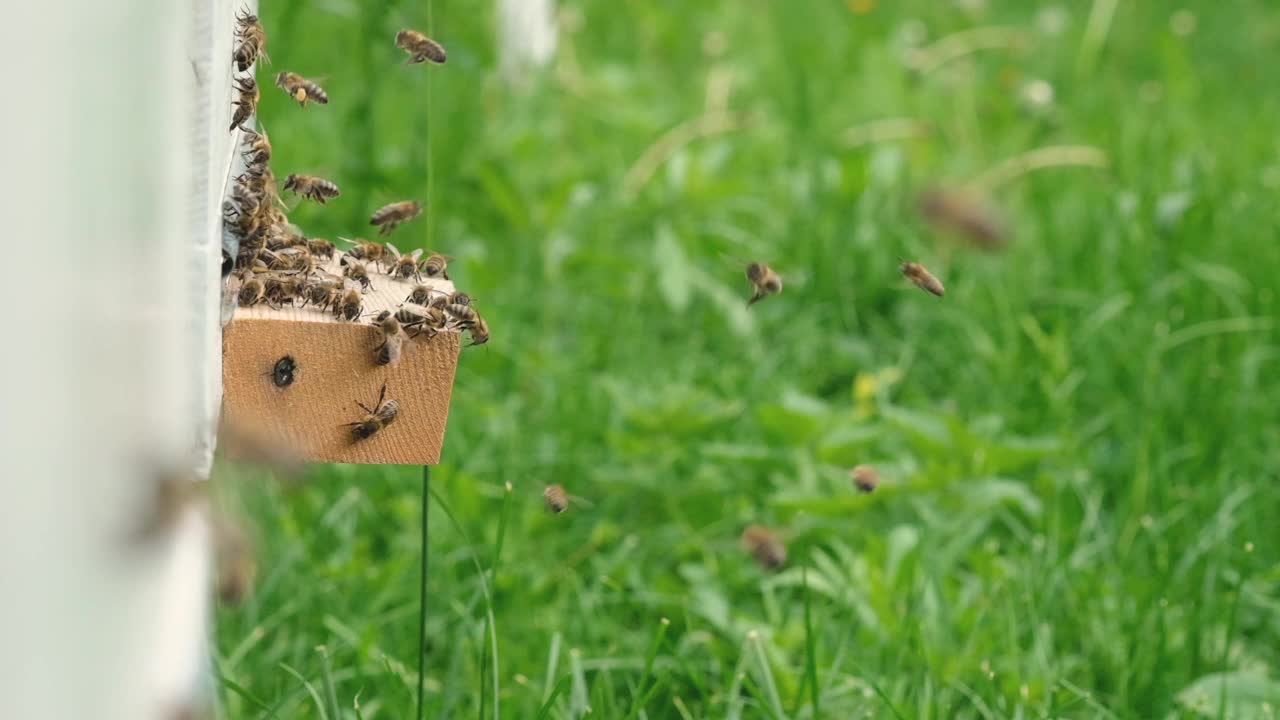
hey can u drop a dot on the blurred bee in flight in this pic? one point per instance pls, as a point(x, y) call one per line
point(311, 187)
point(301, 89)
point(966, 216)
point(764, 546)
point(556, 498)
point(865, 478)
point(764, 280)
point(923, 279)
point(420, 47)
point(389, 217)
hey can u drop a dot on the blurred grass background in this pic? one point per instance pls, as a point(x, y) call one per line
point(1079, 444)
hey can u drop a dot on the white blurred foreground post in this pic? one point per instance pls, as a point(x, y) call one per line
point(114, 143)
point(526, 34)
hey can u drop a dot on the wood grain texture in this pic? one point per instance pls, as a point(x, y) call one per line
point(335, 370)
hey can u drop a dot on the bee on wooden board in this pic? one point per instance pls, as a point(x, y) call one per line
point(479, 332)
point(556, 498)
point(389, 217)
point(865, 478)
point(764, 546)
point(321, 248)
point(366, 251)
point(465, 317)
point(253, 41)
point(420, 295)
point(322, 293)
point(390, 349)
point(301, 89)
point(282, 290)
point(436, 265)
point(382, 414)
point(923, 279)
point(420, 47)
point(252, 292)
point(247, 104)
point(349, 304)
point(404, 266)
point(765, 281)
point(311, 187)
point(284, 372)
point(357, 272)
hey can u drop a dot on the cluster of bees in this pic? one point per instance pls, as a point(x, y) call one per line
point(277, 265)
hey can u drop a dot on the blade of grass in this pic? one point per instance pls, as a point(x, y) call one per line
point(561, 684)
point(640, 697)
point(578, 704)
point(242, 692)
point(810, 646)
point(422, 592)
point(315, 694)
point(326, 675)
point(766, 673)
point(488, 597)
point(355, 705)
point(553, 660)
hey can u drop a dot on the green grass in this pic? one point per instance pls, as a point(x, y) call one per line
point(1077, 443)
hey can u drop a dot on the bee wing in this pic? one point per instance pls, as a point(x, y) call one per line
point(395, 251)
point(349, 241)
point(349, 284)
point(415, 254)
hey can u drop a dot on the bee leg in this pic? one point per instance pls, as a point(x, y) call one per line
point(382, 395)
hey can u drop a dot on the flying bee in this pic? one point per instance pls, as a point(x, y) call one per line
point(283, 372)
point(764, 546)
point(247, 104)
point(923, 279)
point(357, 272)
point(556, 498)
point(404, 266)
point(420, 47)
point(321, 248)
point(436, 265)
point(765, 281)
point(257, 148)
point(236, 567)
point(312, 187)
point(301, 89)
point(966, 215)
point(252, 292)
point(865, 478)
point(393, 336)
point(349, 304)
point(389, 217)
point(376, 418)
point(366, 251)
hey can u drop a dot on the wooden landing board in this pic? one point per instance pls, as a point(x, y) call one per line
point(335, 369)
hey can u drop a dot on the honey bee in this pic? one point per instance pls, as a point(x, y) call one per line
point(176, 491)
point(281, 290)
point(382, 414)
point(420, 295)
point(463, 317)
point(282, 373)
point(420, 47)
point(301, 89)
point(293, 260)
point(357, 272)
point(252, 292)
point(865, 478)
point(349, 304)
point(764, 546)
point(253, 41)
point(459, 298)
point(422, 320)
point(366, 251)
point(479, 331)
point(923, 279)
point(556, 498)
point(321, 248)
point(247, 104)
point(436, 265)
point(966, 215)
point(393, 336)
point(236, 567)
point(311, 187)
point(389, 217)
point(404, 266)
point(765, 281)
point(322, 293)
point(257, 148)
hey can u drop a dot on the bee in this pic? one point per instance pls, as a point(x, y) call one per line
point(322, 293)
point(404, 266)
point(282, 373)
point(282, 236)
point(479, 331)
point(382, 414)
point(311, 187)
point(257, 147)
point(349, 304)
point(301, 89)
point(923, 279)
point(764, 546)
point(388, 217)
point(252, 292)
point(420, 47)
point(965, 215)
point(865, 478)
point(463, 317)
point(459, 298)
point(357, 272)
point(293, 260)
point(281, 290)
point(420, 295)
point(236, 567)
point(176, 491)
point(247, 104)
point(366, 251)
point(436, 265)
point(556, 498)
point(321, 248)
point(253, 41)
point(765, 281)
point(393, 337)
point(422, 320)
